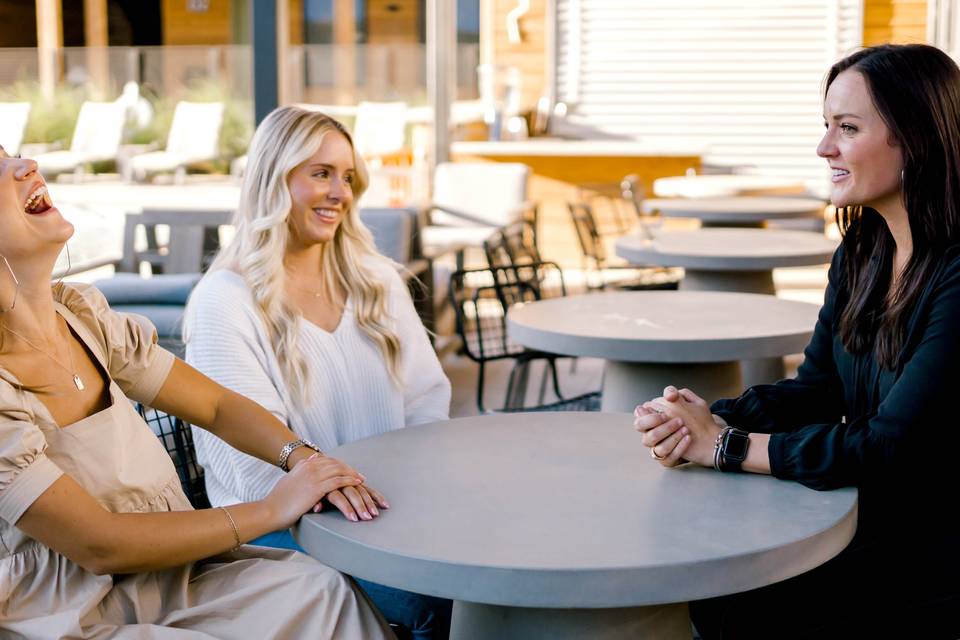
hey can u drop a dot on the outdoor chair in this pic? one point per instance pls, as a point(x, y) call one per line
point(193, 239)
point(177, 438)
point(194, 137)
point(396, 234)
point(471, 200)
point(600, 274)
point(481, 298)
point(513, 251)
point(13, 124)
point(96, 138)
point(162, 299)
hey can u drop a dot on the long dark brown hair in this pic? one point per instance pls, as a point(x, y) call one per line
point(916, 90)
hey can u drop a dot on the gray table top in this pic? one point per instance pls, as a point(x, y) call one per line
point(736, 208)
point(727, 249)
point(722, 185)
point(665, 326)
point(569, 510)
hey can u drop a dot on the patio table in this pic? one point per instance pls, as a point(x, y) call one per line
point(725, 185)
point(732, 260)
point(560, 525)
point(738, 211)
point(649, 339)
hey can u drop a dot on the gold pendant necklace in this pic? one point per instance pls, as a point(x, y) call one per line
point(77, 381)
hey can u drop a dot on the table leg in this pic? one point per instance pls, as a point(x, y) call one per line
point(763, 370)
point(472, 621)
point(626, 384)
point(736, 281)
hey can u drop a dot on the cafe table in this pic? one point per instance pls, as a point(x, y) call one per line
point(561, 526)
point(737, 211)
point(731, 259)
point(723, 185)
point(649, 339)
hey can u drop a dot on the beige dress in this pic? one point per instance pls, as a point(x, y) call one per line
point(251, 593)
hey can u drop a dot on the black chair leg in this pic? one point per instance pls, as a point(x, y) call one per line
point(480, 390)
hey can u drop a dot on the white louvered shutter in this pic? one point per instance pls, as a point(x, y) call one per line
point(744, 78)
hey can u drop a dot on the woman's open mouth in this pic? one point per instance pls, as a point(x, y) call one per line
point(38, 202)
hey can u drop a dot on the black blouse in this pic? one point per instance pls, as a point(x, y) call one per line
point(844, 420)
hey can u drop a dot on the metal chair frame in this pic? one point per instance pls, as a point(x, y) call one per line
point(177, 439)
point(481, 298)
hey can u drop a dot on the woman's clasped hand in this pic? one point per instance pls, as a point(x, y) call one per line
point(678, 427)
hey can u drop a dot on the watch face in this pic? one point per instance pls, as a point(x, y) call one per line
point(735, 447)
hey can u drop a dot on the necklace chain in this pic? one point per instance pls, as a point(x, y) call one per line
point(77, 381)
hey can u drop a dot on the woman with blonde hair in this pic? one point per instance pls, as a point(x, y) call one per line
point(301, 314)
point(97, 538)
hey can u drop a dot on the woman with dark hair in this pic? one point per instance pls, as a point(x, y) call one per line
point(871, 405)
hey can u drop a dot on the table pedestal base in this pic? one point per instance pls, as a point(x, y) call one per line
point(736, 281)
point(764, 370)
point(472, 621)
point(627, 384)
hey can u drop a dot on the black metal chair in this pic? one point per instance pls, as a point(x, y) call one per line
point(480, 298)
point(177, 439)
point(595, 254)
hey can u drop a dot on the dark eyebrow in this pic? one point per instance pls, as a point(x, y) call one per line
point(841, 116)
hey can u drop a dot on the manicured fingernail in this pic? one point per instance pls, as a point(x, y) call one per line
point(353, 517)
point(385, 504)
point(636, 411)
point(374, 511)
point(684, 431)
point(367, 516)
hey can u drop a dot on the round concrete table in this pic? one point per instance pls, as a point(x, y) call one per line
point(649, 339)
point(725, 185)
point(741, 211)
point(732, 260)
point(740, 260)
point(560, 525)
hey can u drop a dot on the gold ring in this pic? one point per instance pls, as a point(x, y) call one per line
point(653, 454)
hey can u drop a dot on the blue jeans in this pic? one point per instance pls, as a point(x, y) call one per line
point(425, 617)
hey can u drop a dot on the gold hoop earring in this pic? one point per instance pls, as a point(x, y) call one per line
point(16, 290)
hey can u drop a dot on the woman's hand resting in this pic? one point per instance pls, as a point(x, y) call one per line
point(678, 427)
point(319, 477)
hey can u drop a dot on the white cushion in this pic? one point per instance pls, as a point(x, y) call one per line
point(491, 191)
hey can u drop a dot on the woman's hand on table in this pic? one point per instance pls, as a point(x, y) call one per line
point(678, 427)
point(318, 477)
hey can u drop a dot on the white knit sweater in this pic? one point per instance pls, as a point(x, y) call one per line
point(352, 395)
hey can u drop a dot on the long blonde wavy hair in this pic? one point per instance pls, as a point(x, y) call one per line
point(285, 139)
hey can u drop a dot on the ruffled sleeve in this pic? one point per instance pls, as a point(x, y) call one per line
point(134, 359)
point(25, 470)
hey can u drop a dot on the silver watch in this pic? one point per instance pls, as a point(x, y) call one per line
point(290, 447)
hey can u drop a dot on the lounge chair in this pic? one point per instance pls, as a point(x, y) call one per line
point(13, 123)
point(194, 137)
point(96, 138)
point(472, 200)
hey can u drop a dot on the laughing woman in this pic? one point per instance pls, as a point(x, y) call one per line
point(301, 314)
point(97, 538)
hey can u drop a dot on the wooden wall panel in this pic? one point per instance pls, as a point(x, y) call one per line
point(530, 55)
point(393, 21)
point(894, 21)
point(181, 26)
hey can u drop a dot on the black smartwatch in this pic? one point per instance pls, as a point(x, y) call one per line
point(731, 449)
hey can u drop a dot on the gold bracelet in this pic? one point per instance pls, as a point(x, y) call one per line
point(233, 525)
